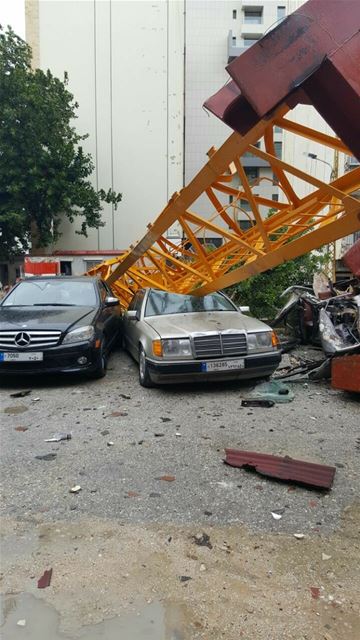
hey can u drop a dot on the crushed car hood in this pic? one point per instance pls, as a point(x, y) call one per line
point(46, 318)
point(182, 325)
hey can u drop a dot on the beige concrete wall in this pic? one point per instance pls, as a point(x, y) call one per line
point(124, 59)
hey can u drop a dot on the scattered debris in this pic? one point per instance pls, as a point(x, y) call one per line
point(153, 494)
point(21, 428)
point(299, 536)
point(58, 437)
point(75, 489)
point(184, 578)
point(118, 414)
point(45, 579)
point(133, 494)
point(15, 410)
point(324, 556)
point(178, 435)
point(202, 567)
point(110, 443)
point(202, 540)
point(20, 394)
point(47, 456)
point(166, 478)
point(165, 419)
point(105, 432)
point(257, 403)
point(159, 435)
point(124, 396)
point(21, 623)
point(272, 391)
point(276, 516)
point(315, 592)
point(283, 468)
point(35, 399)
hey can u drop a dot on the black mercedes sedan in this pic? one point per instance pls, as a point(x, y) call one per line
point(58, 325)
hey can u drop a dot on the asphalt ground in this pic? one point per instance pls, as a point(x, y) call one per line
point(178, 431)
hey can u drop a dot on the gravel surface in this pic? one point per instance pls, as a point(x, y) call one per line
point(127, 536)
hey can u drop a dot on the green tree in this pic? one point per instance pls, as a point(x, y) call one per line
point(44, 171)
point(262, 292)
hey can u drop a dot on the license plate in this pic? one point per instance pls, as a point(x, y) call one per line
point(15, 356)
point(223, 365)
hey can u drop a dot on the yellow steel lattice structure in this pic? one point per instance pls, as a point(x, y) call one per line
point(298, 225)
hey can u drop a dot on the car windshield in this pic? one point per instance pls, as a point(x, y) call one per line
point(161, 303)
point(59, 293)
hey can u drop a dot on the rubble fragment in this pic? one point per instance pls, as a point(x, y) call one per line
point(20, 394)
point(283, 468)
point(45, 579)
point(202, 540)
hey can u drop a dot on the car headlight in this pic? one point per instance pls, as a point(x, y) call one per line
point(176, 348)
point(262, 341)
point(81, 334)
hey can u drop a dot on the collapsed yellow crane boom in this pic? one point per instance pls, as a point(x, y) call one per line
point(297, 225)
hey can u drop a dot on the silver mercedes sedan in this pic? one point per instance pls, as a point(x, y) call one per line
point(183, 338)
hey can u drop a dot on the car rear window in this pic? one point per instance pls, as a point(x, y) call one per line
point(163, 303)
point(52, 293)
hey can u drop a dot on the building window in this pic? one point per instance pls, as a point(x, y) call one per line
point(278, 149)
point(248, 154)
point(277, 129)
point(234, 14)
point(253, 15)
point(281, 12)
point(250, 40)
point(275, 197)
point(231, 199)
point(244, 224)
point(65, 267)
point(89, 264)
point(252, 173)
point(244, 204)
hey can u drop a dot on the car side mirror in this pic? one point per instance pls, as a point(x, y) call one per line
point(111, 301)
point(244, 309)
point(133, 315)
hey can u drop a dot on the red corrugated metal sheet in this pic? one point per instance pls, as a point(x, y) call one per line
point(315, 475)
point(345, 373)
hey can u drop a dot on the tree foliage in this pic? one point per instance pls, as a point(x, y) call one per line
point(44, 171)
point(262, 292)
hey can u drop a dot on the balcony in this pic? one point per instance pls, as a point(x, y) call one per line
point(237, 46)
point(351, 162)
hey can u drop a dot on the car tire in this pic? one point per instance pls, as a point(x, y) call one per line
point(100, 371)
point(144, 376)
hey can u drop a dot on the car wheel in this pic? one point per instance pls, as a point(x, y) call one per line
point(101, 368)
point(144, 377)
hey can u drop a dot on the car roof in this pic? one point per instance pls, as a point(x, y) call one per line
point(66, 278)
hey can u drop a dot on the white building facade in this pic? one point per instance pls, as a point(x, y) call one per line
point(140, 71)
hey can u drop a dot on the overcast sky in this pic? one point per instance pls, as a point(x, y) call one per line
point(12, 12)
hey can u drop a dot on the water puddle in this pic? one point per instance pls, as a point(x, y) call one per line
point(15, 410)
point(24, 617)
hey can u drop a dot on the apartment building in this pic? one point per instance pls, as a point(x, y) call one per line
point(141, 70)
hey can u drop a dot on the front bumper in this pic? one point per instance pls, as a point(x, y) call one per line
point(256, 366)
point(60, 359)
